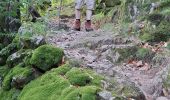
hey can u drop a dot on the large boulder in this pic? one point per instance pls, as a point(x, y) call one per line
point(46, 56)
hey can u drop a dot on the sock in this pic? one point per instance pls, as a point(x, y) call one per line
point(88, 14)
point(88, 20)
point(78, 19)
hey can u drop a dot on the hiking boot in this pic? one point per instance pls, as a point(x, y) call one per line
point(88, 26)
point(77, 25)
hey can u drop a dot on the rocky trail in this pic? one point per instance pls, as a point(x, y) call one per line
point(97, 50)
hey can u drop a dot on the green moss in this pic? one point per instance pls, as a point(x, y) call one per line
point(82, 93)
point(17, 71)
point(78, 77)
point(57, 85)
point(9, 95)
point(62, 70)
point(44, 87)
point(46, 56)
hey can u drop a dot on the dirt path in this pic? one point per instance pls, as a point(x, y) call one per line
point(95, 50)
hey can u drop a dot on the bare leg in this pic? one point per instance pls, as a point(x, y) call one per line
point(88, 14)
point(77, 14)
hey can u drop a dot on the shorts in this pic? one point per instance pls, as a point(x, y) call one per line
point(89, 4)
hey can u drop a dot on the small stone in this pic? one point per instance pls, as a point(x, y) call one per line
point(105, 95)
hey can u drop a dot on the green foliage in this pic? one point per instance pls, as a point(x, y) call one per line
point(55, 84)
point(146, 37)
point(9, 95)
point(5, 52)
point(142, 53)
point(8, 50)
point(65, 2)
point(168, 46)
point(4, 71)
point(162, 32)
point(17, 71)
point(46, 56)
point(126, 53)
point(155, 18)
point(29, 29)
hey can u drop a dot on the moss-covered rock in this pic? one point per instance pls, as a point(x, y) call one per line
point(5, 52)
point(18, 72)
point(46, 56)
point(29, 42)
point(18, 57)
point(55, 85)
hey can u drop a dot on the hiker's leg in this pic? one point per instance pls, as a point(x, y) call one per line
point(78, 6)
point(90, 4)
point(90, 7)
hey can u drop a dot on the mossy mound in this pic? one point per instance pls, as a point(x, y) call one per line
point(61, 84)
point(46, 56)
point(18, 72)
